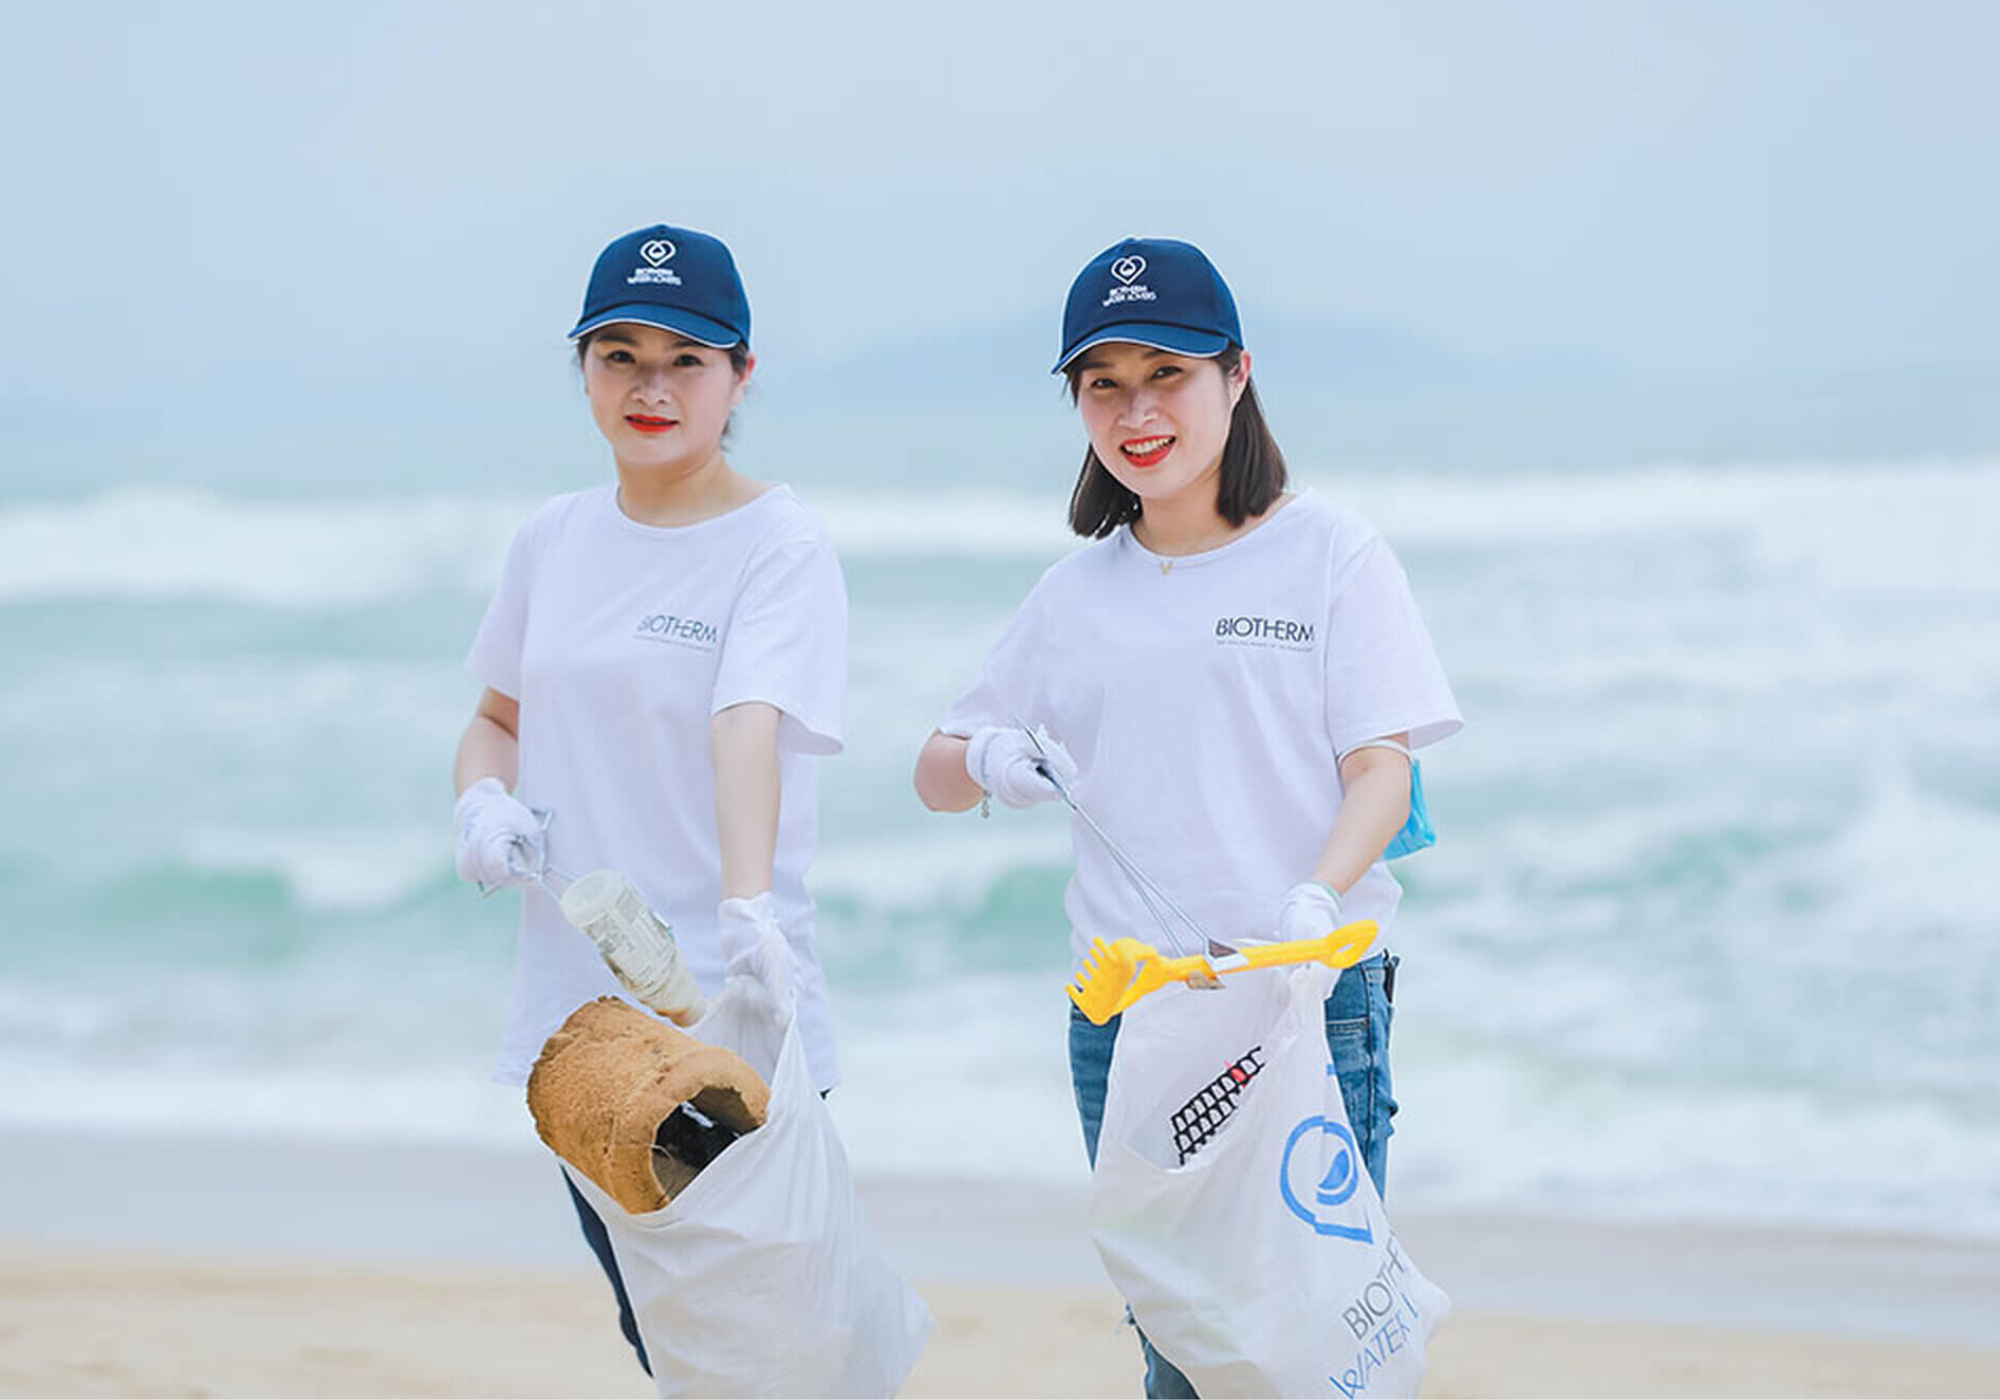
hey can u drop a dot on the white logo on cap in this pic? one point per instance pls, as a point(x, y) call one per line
point(1125, 270)
point(655, 251)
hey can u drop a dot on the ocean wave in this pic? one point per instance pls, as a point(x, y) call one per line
point(1666, 495)
point(152, 544)
point(967, 1078)
point(446, 1104)
point(952, 524)
point(266, 712)
point(157, 544)
point(949, 869)
point(1893, 525)
point(1484, 1128)
point(1707, 925)
point(329, 872)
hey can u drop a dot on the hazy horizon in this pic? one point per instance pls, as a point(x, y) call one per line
point(251, 238)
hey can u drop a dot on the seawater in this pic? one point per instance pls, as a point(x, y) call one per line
point(1710, 931)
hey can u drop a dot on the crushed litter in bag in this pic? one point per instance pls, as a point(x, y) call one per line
point(637, 1106)
point(1202, 1116)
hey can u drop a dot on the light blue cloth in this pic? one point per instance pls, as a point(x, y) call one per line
point(1417, 834)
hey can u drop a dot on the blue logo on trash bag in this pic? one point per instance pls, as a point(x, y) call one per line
point(1316, 1202)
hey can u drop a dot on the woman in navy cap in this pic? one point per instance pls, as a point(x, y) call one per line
point(665, 659)
point(1231, 678)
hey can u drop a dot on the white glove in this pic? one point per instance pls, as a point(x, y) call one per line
point(1310, 910)
point(1002, 760)
point(754, 945)
point(492, 827)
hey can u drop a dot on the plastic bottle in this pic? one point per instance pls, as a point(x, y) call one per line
point(636, 942)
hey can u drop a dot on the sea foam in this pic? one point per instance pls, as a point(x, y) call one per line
point(1866, 526)
point(1709, 931)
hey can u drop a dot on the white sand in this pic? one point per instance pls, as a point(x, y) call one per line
point(124, 1324)
point(162, 1268)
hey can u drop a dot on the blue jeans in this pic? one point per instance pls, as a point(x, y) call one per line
point(600, 1245)
point(1357, 1036)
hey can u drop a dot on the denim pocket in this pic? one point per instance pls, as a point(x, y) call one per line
point(1358, 1015)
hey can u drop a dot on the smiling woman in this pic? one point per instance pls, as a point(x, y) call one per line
point(1178, 412)
point(1232, 675)
point(629, 368)
point(665, 660)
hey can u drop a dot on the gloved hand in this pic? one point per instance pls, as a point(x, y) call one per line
point(1310, 910)
point(754, 945)
point(490, 821)
point(1002, 760)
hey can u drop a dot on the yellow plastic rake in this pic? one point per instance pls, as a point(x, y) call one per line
point(1118, 973)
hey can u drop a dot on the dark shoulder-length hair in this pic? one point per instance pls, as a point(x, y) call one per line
point(1252, 477)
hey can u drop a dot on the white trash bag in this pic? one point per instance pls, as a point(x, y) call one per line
point(1231, 1206)
point(762, 1277)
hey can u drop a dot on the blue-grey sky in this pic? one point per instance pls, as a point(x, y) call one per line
point(334, 215)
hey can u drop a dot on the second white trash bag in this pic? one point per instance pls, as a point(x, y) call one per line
point(1263, 1264)
point(762, 1277)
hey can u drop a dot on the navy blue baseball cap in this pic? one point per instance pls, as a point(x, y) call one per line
point(1150, 291)
point(674, 278)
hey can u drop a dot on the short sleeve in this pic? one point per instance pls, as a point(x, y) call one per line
point(1382, 673)
point(495, 658)
point(1007, 687)
point(787, 645)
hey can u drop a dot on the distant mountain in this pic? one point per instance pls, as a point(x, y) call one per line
point(1350, 392)
point(978, 405)
point(977, 364)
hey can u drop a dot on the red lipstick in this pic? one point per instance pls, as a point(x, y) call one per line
point(1150, 457)
point(646, 423)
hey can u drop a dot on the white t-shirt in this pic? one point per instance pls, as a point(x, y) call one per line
point(620, 640)
point(1206, 700)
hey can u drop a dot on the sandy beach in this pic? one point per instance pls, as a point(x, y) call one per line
point(123, 1324)
point(155, 1267)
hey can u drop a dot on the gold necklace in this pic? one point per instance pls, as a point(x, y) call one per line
point(1167, 561)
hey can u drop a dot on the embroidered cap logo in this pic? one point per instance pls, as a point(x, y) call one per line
point(656, 251)
point(1128, 267)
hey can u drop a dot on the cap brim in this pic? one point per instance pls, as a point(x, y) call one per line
point(1178, 340)
point(666, 318)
